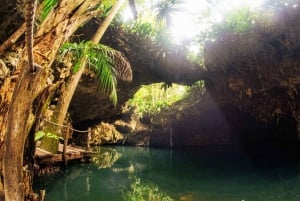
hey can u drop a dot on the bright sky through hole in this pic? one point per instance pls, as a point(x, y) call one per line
point(185, 25)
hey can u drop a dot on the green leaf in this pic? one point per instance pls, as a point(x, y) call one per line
point(39, 135)
point(48, 5)
point(53, 136)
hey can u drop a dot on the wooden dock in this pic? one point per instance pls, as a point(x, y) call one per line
point(71, 153)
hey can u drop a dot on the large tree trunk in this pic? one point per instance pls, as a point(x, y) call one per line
point(20, 119)
point(65, 100)
point(52, 144)
point(18, 112)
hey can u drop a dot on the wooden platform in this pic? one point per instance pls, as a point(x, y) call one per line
point(72, 153)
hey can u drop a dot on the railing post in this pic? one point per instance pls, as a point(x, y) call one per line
point(88, 141)
point(66, 137)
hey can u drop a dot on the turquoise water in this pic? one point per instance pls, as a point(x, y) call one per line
point(202, 174)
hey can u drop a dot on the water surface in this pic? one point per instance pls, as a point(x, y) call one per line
point(202, 174)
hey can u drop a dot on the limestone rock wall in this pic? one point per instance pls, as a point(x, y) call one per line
point(252, 83)
point(258, 71)
point(105, 133)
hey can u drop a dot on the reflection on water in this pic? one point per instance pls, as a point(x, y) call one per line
point(106, 157)
point(144, 192)
point(207, 174)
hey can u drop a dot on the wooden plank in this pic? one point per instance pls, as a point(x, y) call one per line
point(75, 156)
point(72, 153)
point(74, 149)
point(80, 149)
point(42, 153)
point(53, 159)
point(57, 158)
point(68, 149)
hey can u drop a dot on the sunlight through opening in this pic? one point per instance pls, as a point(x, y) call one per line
point(185, 24)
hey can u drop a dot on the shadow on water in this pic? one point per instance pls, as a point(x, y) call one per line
point(275, 157)
point(227, 173)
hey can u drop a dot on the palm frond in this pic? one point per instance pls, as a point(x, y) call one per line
point(164, 11)
point(122, 67)
point(108, 64)
point(78, 52)
point(105, 76)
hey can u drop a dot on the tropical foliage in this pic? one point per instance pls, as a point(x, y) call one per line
point(164, 10)
point(107, 63)
point(42, 134)
point(213, 21)
point(143, 28)
point(106, 6)
point(152, 99)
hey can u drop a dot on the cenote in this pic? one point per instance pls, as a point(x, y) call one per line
point(225, 173)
